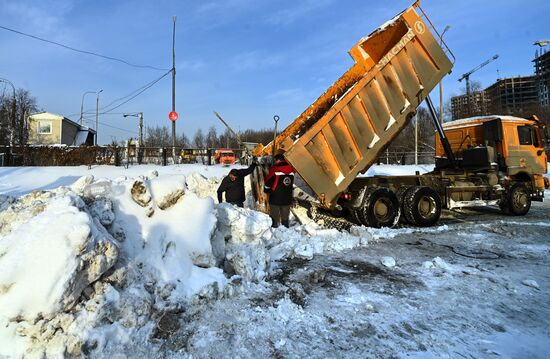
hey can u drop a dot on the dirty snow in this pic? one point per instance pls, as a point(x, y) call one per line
point(143, 262)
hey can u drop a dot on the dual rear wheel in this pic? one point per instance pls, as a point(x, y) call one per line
point(415, 205)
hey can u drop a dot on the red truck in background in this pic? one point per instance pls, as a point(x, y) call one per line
point(224, 157)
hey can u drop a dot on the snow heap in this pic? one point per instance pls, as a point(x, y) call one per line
point(100, 256)
point(97, 267)
point(52, 249)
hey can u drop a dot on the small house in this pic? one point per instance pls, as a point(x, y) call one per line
point(47, 128)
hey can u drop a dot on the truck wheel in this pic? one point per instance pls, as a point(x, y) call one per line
point(517, 201)
point(356, 216)
point(422, 206)
point(380, 208)
point(401, 193)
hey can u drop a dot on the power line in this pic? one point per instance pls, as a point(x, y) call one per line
point(137, 94)
point(132, 95)
point(82, 51)
point(146, 86)
point(118, 128)
point(88, 120)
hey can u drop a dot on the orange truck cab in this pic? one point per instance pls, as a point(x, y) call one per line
point(224, 157)
point(514, 145)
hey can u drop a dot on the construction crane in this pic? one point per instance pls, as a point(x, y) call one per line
point(542, 43)
point(467, 74)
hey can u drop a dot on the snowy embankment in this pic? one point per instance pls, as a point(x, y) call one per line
point(95, 263)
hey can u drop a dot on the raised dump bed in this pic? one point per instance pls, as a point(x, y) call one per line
point(344, 131)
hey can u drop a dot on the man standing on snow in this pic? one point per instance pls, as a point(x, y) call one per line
point(233, 185)
point(279, 184)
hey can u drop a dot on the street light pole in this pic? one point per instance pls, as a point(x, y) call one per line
point(441, 82)
point(82, 105)
point(97, 115)
point(416, 139)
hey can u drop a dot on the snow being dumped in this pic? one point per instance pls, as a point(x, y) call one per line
point(94, 268)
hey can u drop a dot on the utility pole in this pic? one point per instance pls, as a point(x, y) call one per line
point(97, 115)
point(174, 88)
point(441, 82)
point(415, 139)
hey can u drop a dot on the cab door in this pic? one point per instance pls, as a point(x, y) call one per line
point(526, 153)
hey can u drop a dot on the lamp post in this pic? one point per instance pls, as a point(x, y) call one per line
point(14, 109)
point(139, 115)
point(97, 115)
point(82, 104)
point(441, 82)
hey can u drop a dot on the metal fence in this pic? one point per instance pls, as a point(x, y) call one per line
point(125, 156)
point(104, 155)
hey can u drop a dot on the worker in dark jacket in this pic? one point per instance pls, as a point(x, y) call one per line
point(279, 184)
point(233, 185)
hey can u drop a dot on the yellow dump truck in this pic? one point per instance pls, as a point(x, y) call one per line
point(347, 128)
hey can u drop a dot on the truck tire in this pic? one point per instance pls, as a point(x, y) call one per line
point(517, 201)
point(380, 208)
point(401, 193)
point(356, 216)
point(422, 206)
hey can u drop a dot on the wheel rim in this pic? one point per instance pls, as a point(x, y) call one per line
point(382, 209)
point(426, 206)
point(520, 199)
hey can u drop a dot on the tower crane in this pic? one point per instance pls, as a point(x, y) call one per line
point(467, 74)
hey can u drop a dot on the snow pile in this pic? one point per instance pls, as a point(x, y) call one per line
point(240, 241)
point(102, 259)
point(99, 266)
point(202, 186)
point(53, 250)
point(245, 245)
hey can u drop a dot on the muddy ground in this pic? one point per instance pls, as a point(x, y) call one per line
point(475, 287)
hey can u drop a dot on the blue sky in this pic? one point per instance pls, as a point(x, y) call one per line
point(246, 59)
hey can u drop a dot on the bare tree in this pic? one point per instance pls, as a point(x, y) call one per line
point(198, 139)
point(263, 136)
point(182, 141)
point(475, 86)
point(157, 137)
point(212, 140)
point(26, 105)
point(402, 147)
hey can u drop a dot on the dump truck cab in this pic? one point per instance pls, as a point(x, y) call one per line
point(511, 146)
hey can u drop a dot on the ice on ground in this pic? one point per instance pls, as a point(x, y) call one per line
point(530, 283)
point(388, 262)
